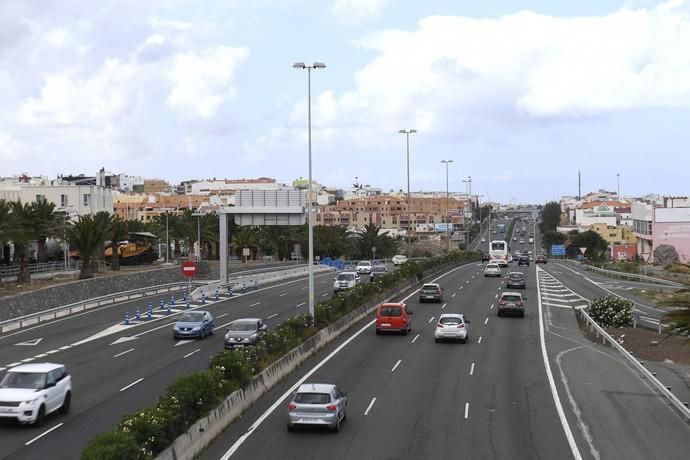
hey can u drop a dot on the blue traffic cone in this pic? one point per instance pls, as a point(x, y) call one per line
point(169, 309)
point(138, 314)
point(126, 317)
point(217, 294)
point(149, 314)
point(203, 298)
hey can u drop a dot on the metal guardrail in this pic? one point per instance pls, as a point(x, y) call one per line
point(628, 276)
point(639, 365)
point(77, 307)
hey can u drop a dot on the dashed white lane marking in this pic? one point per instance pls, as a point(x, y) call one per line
point(43, 434)
point(480, 340)
point(396, 365)
point(325, 294)
point(301, 305)
point(461, 287)
point(124, 353)
point(467, 410)
point(497, 296)
point(272, 316)
point(431, 319)
point(222, 316)
point(255, 304)
point(415, 338)
point(486, 320)
point(283, 294)
point(444, 305)
point(52, 352)
point(467, 282)
point(13, 364)
point(27, 360)
point(305, 287)
point(2, 369)
point(454, 294)
point(492, 307)
point(191, 353)
point(42, 355)
point(371, 404)
point(131, 384)
point(472, 369)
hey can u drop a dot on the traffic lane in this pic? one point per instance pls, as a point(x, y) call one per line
point(51, 337)
point(375, 359)
point(109, 368)
point(591, 290)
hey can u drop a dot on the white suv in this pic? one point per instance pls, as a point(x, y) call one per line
point(345, 280)
point(399, 259)
point(29, 392)
point(363, 267)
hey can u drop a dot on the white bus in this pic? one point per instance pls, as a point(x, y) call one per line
point(498, 249)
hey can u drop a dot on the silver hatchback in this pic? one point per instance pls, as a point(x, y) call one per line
point(317, 404)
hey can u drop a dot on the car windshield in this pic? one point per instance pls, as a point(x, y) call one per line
point(364, 264)
point(192, 317)
point(391, 311)
point(312, 398)
point(450, 320)
point(32, 380)
point(511, 298)
point(491, 266)
point(517, 276)
point(346, 277)
point(430, 288)
point(243, 326)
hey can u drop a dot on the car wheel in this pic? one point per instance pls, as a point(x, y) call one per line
point(405, 331)
point(210, 331)
point(336, 428)
point(498, 313)
point(522, 315)
point(41, 416)
point(290, 427)
point(66, 403)
point(378, 332)
point(437, 340)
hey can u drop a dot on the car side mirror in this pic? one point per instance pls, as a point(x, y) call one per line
point(227, 329)
point(264, 327)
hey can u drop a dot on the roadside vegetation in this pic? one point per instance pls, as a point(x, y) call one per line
point(148, 431)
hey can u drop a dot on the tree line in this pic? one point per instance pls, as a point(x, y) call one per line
point(27, 224)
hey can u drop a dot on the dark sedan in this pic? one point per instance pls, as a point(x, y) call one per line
point(246, 331)
point(516, 280)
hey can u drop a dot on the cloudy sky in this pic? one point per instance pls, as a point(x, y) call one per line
point(520, 94)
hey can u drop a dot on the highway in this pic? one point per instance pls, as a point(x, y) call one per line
point(493, 397)
point(117, 369)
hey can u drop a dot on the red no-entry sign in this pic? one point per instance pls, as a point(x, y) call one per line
point(189, 268)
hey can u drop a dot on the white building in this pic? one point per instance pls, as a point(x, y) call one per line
point(206, 187)
point(77, 200)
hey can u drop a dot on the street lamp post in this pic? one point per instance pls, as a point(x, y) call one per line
point(618, 181)
point(310, 223)
point(467, 229)
point(167, 239)
point(198, 215)
point(447, 162)
point(407, 133)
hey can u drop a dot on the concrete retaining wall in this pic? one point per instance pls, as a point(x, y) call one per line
point(76, 291)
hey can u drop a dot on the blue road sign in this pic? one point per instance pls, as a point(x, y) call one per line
point(557, 250)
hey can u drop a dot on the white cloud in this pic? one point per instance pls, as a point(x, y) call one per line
point(201, 82)
point(357, 10)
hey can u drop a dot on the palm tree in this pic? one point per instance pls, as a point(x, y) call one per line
point(245, 237)
point(46, 224)
point(370, 237)
point(87, 235)
point(331, 241)
point(21, 233)
point(5, 221)
point(116, 232)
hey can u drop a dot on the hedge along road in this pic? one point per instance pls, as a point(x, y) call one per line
point(410, 397)
point(112, 379)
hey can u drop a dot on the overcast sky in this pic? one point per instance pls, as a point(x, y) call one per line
point(520, 94)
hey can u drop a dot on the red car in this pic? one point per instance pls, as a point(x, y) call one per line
point(541, 259)
point(394, 317)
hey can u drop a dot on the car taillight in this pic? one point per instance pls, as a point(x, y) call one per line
point(292, 407)
point(461, 325)
point(331, 408)
point(519, 304)
point(502, 302)
point(439, 325)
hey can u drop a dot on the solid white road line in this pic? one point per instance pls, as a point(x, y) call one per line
point(371, 404)
point(552, 384)
point(255, 304)
point(132, 384)
point(467, 410)
point(52, 352)
point(472, 369)
point(415, 338)
point(396, 365)
point(124, 353)
point(272, 316)
point(190, 354)
point(44, 433)
point(486, 320)
point(480, 340)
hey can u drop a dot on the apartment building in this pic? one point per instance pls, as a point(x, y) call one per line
point(667, 221)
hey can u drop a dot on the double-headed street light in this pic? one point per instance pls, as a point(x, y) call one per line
point(310, 224)
point(447, 162)
point(464, 212)
point(407, 133)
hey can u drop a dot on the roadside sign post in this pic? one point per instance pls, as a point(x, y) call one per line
point(646, 256)
point(558, 250)
point(189, 269)
point(373, 252)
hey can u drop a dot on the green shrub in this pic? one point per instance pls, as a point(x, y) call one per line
point(151, 428)
point(234, 365)
point(612, 311)
point(113, 445)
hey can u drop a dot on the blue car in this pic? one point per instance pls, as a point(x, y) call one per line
point(193, 324)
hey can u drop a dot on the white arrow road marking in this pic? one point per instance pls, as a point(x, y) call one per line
point(123, 340)
point(111, 330)
point(182, 342)
point(30, 343)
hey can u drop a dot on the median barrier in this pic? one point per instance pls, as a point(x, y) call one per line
point(202, 433)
